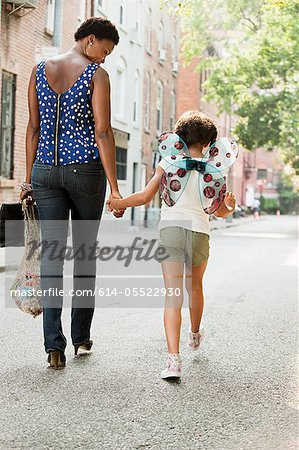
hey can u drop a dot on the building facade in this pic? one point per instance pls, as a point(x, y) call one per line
point(27, 36)
point(125, 68)
point(161, 66)
point(262, 174)
point(143, 70)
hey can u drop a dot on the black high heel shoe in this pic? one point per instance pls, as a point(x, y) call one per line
point(56, 359)
point(84, 348)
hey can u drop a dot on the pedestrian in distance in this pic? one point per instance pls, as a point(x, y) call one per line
point(70, 154)
point(184, 225)
point(256, 206)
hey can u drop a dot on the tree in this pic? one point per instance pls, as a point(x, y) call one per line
point(288, 197)
point(255, 74)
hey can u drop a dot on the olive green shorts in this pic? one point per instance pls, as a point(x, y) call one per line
point(180, 244)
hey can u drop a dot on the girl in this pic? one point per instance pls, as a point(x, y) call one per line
point(184, 235)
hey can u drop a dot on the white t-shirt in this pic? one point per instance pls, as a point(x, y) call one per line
point(187, 211)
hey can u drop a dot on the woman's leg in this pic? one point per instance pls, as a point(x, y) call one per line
point(194, 286)
point(53, 210)
point(86, 184)
point(173, 279)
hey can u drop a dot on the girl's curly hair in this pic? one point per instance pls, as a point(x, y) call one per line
point(195, 127)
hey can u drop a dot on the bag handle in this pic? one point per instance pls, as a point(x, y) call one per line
point(28, 210)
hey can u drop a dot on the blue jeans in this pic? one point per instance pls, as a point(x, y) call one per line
point(59, 190)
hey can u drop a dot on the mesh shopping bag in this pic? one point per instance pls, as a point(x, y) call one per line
point(26, 285)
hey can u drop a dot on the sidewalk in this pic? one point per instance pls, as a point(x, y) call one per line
point(125, 238)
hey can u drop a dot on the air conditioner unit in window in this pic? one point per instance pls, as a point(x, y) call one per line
point(175, 66)
point(28, 4)
point(21, 7)
point(162, 54)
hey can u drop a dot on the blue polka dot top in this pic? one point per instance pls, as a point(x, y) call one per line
point(66, 120)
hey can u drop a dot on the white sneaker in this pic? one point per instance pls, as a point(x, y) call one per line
point(195, 339)
point(173, 366)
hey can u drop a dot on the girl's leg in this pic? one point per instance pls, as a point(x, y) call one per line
point(173, 279)
point(194, 286)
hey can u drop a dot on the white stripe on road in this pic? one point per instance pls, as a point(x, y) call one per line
point(113, 276)
point(292, 260)
point(129, 276)
point(258, 235)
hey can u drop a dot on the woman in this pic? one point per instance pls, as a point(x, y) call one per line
point(70, 150)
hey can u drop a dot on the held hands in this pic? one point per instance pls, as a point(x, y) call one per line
point(230, 201)
point(113, 206)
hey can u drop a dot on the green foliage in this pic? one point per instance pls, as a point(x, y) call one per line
point(288, 197)
point(269, 205)
point(182, 8)
point(255, 72)
point(288, 200)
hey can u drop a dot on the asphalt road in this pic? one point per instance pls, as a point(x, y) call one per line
point(238, 392)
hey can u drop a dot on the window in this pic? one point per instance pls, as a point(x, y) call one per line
point(159, 106)
point(147, 102)
point(174, 49)
point(120, 87)
point(172, 109)
point(50, 16)
point(136, 97)
point(161, 38)
point(149, 31)
point(139, 19)
point(81, 11)
point(122, 13)
point(99, 6)
point(161, 43)
point(121, 163)
point(262, 174)
point(276, 180)
point(202, 79)
point(156, 158)
point(7, 124)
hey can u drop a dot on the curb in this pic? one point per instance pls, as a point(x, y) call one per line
point(234, 223)
point(222, 225)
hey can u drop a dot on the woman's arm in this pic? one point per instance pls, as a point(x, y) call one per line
point(32, 131)
point(103, 131)
point(227, 207)
point(139, 198)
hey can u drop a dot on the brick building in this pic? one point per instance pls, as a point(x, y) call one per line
point(27, 35)
point(262, 174)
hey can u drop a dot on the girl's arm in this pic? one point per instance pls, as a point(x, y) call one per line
point(139, 198)
point(227, 207)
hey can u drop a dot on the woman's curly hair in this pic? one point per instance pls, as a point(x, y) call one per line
point(99, 26)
